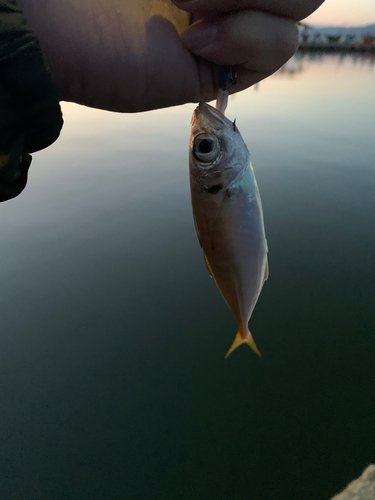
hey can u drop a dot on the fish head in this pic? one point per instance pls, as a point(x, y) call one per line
point(217, 152)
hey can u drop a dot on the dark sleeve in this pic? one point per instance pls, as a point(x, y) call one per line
point(30, 114)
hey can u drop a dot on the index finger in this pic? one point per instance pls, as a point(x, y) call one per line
point(293, 9)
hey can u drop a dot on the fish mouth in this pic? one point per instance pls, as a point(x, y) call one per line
point(209, 117)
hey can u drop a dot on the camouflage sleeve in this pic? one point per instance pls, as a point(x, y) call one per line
point(30, 114)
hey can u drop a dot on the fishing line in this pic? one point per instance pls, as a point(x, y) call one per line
point(226, 79)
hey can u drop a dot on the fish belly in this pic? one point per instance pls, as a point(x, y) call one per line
point(237, 252)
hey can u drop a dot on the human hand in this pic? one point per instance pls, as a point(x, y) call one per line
point(255, 37)
point(120, 56)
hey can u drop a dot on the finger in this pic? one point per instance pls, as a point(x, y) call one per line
point(254, 40)
point(293, 9)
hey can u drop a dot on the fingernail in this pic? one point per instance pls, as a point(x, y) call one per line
point(200, 36)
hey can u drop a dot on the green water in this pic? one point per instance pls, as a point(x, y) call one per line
point(113, 383)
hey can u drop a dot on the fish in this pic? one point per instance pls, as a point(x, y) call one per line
point(228, 215)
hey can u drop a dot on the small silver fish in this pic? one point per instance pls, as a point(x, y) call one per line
point(228, 214)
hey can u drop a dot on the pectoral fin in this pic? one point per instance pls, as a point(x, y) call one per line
point(208, 266)
point(204, 255)
point(196, 230)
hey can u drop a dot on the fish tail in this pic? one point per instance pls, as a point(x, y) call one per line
point(243, 339)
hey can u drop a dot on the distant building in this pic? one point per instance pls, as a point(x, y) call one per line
point(368, 41)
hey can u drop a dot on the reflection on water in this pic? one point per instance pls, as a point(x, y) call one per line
point(113, 382)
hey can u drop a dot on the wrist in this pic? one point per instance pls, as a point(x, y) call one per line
point(30, 114)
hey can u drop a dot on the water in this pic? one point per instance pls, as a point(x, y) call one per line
point(113, 336)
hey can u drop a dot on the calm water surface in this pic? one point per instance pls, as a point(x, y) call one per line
point(112, 340)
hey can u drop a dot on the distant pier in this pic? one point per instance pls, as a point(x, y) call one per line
point(315, 40)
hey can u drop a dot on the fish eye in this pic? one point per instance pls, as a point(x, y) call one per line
point(206, 148)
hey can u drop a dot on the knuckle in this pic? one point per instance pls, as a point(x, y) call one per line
point(286, 43)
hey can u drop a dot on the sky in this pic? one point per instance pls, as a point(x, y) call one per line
point(344, 13)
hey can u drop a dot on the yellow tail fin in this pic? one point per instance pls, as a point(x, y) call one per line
point(243, 340)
